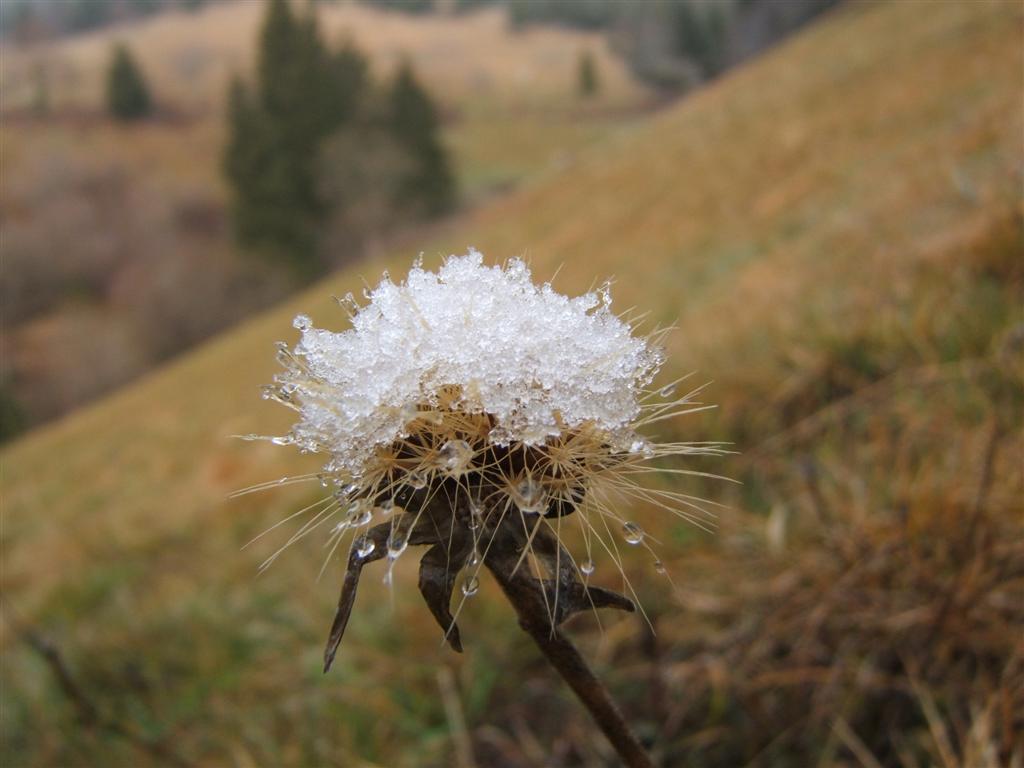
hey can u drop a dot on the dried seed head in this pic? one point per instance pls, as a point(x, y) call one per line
point(474, 385)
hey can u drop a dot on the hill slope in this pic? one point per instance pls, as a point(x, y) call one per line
point(839, 219)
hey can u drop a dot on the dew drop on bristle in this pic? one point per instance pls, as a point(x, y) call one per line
point(474, 559)
point(659, 567)
point(359, 513)
point(529, 496)
point(587, 567)
point(455, 456)
point(632, 533)
point(470, 586)
point(302, 322)
point(398, 541)
point(365, 546)
point(416, 480)
point(668, 390)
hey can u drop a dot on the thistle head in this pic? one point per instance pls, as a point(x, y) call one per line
point(483, 404)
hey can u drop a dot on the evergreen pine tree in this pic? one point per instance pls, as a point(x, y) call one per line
point(587, 81)
point(430, 186)
point(303, 94)
point(127, 94)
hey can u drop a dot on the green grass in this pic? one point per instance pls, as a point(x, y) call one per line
point(803, 221)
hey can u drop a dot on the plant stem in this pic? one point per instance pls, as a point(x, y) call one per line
point(525, 594)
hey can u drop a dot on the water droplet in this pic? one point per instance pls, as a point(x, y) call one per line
point(632, 533)
point(325, 479)
point(398, 541)
point(668, 390)
point(387, 506)
point(340, 527)
point(359, 513)
point(302, 322)
point(475, 518)
point(529, 496)
point(659, 566)
point(282, 440)
point(474, 559)
point(587, 567)
point(455, 456)
point(637, 446)
point(364, 546)
point(416, 479)
point(470, 586)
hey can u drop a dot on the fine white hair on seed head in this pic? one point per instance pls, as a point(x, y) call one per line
point(475, 383)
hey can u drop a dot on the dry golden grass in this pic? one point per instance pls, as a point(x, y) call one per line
point(836, 230)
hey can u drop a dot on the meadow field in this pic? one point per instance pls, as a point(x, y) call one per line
point(836, 232)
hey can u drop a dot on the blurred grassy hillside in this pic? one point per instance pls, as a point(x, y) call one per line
point(836, 232)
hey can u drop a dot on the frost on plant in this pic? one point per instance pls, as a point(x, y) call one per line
point(473, 410)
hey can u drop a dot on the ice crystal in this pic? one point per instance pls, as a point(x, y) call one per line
point(536, 361)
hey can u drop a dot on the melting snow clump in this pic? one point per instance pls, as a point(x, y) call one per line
point(536, 361)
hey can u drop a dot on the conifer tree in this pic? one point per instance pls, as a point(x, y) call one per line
point(587, 81)
point(303, 94)
point(127, 95)
point(430, 186)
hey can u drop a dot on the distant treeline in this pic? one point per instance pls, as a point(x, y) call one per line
point(34, 19)
point(672, 44)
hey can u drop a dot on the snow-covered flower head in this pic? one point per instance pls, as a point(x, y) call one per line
point(472, 339)
point(486, 405)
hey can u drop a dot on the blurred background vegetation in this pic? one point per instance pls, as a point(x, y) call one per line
point(824, 199)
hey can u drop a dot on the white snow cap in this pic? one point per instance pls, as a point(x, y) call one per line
point(537, 361)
